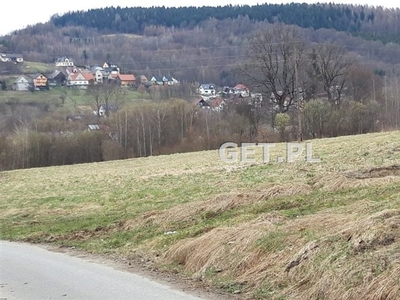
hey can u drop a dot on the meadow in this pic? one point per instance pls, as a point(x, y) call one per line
point(63, 99)
point(265, 230)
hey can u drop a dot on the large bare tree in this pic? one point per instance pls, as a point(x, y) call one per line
point(275, 55)
point(332, 65)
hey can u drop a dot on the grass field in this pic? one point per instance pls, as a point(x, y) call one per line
point(74, 99)
point(37, 67)
point(326, 230)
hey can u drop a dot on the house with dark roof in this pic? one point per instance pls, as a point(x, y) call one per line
point(201, 103)
point(107, 65)
point(57, 78)
point(164, 80)
point(15, 58)
point(171, 81)
point(207, 89)
point(157, 80)
point(110, 72)
point(64, 62)
point(40, 82)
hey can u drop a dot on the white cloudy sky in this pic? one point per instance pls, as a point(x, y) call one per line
point(18, 15)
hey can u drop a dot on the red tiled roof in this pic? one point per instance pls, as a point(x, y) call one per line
point(126, 77)
point(240, 87)
point(217, 102)
point(86, 75)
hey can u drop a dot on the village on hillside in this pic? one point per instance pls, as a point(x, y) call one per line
point(67, 74)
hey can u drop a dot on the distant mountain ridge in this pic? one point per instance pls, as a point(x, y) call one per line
point(365, 21)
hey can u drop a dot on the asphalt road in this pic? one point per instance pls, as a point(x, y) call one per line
point(32, 273)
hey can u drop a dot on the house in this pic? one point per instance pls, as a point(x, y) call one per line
point(73, 118)
point(202, 103)
point(157, 80)
point(110, 65)
point(92, 127)
point(218, 104)
point(171, 81)
point(110, 71)
point(15, 58)
point(102, 128)
point(143, 79)
point(70, 70)
point(98, 75)
point(57, 78)
point(64, 62)
point(40, 82)
point(163, 80)
point(80, 79)
point(23, 83)
point(207, 89)
point(105, 109)
point(241, 89)
point(126, 79)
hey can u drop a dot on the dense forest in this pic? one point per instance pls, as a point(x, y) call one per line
point(359, 20)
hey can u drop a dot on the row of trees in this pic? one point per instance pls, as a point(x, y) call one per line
point(164, 127)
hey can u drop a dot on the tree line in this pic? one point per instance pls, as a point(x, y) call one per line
point(359, 20)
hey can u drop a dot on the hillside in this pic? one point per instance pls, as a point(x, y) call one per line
point(326, 230)
point(205, 43)
point(363, 20)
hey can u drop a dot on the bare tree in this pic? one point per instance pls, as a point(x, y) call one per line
point(273, 54)
point(109, 95)
point(332, 65)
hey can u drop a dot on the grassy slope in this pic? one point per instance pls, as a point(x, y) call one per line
point(76, 101)
point(327, 230)
point(37, 67)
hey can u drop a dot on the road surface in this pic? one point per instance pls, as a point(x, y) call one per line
point(32, 273)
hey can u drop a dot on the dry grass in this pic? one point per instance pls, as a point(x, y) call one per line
point(327, 230)
point(352, 255)
point(193, 211)
point(332, 182)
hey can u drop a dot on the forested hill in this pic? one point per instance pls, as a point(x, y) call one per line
point(365, 21)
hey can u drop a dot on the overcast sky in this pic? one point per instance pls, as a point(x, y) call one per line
point(15, 16)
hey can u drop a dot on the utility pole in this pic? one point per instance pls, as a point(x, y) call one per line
point(300, 133)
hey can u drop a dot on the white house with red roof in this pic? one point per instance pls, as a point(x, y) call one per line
point(80, 79)
point(241, 89)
